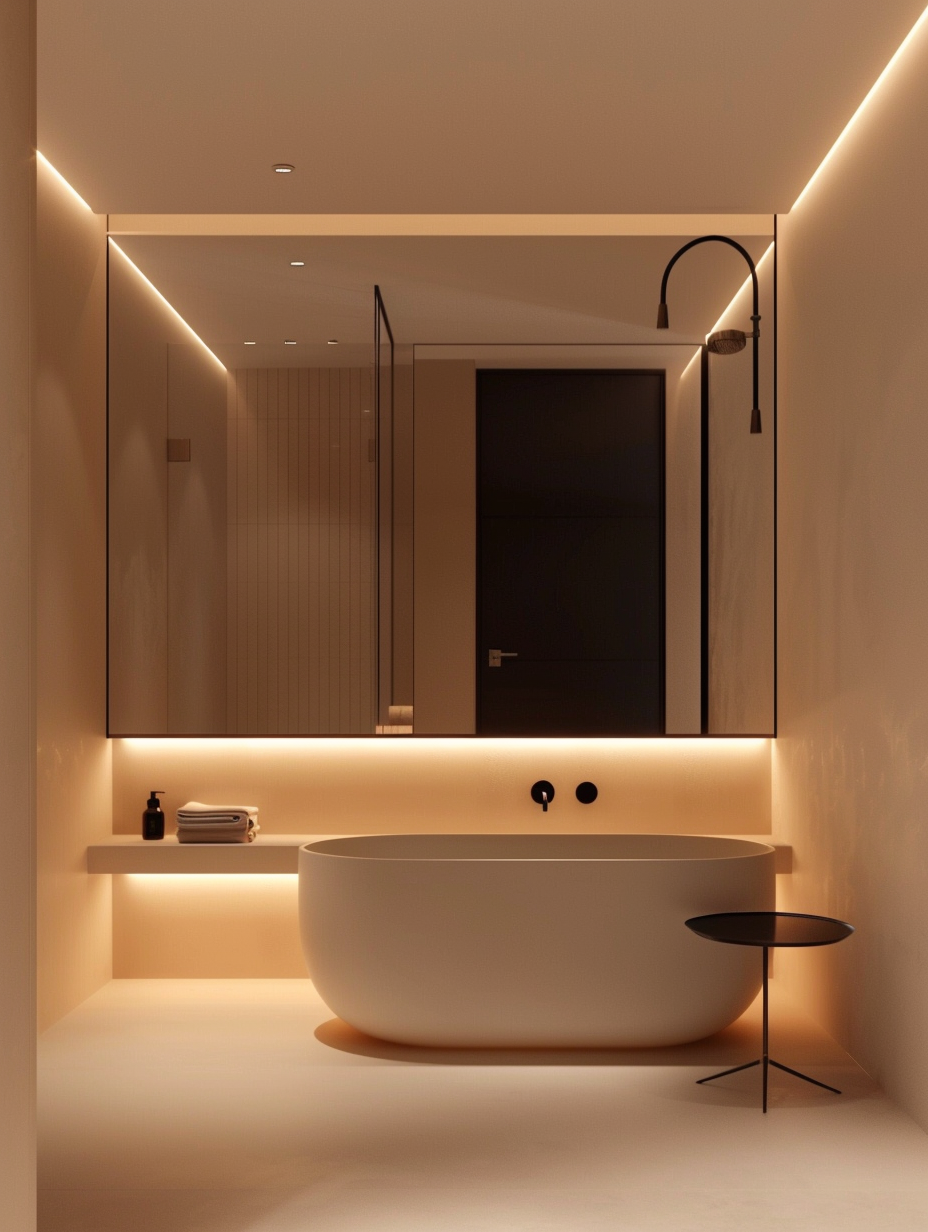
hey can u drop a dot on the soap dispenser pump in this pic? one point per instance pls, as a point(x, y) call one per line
point(153, 817)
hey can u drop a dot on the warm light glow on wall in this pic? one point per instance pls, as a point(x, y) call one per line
point(900, 50)
point(58, 176)
point(696, 355)
point(148, 282)
point(214, 881)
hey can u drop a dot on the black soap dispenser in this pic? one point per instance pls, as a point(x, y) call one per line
point(153, 817)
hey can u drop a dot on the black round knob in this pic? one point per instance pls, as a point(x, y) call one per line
point(542, 786)
point(587, 793)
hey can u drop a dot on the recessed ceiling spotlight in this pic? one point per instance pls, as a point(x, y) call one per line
point(251, 344)
point(289, 342)
point(333, 342)
point(283, 168)
point(297, 262)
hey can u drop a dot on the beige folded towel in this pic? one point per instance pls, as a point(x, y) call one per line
point(217, 823)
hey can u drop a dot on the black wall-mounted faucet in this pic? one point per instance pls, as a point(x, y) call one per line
point(543, 793)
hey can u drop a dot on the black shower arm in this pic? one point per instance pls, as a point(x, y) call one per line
point(722, 239)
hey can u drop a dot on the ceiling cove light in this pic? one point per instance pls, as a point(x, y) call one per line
point(867, 98)
point(148, 282)
point(283, 168)
point(57, 174)
point(725, 341)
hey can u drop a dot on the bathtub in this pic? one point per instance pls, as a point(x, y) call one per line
point(535, 940)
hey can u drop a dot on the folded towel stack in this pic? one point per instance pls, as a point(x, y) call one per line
point(217, 823)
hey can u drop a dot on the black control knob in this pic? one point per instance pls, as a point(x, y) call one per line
point(587, 792)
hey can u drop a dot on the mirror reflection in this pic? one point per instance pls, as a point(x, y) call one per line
point(486, 498)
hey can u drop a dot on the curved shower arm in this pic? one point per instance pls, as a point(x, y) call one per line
point(662, 315)
point(704, 239)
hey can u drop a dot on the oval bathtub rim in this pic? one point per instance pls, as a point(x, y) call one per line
point(755, 848)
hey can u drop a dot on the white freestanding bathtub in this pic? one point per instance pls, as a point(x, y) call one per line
point(472, 940)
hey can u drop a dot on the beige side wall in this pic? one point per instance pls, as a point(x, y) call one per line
point(74, 778)
point(17, 722)
point(445, 546)
point(741, 525)
point(196, 533)
point(850, 766)
point(142, 328)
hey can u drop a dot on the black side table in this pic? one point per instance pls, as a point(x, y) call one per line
point(766, 929)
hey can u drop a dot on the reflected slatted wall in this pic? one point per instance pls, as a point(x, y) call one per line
point(300, 551)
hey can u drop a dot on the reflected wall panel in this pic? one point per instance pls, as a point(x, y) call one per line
point(300, 510)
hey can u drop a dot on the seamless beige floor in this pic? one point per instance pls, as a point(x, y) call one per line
point(240, 1106)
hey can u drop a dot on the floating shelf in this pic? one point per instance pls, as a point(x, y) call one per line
point(269, 853)
point(129, 853)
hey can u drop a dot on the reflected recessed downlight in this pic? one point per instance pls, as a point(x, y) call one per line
point(283, 168)
point(251, 344)
point(297, 262)
point(289, 342)
point(333, 342)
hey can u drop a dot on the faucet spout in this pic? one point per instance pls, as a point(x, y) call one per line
point(543, 793)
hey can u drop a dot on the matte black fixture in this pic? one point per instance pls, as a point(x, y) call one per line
point(587, 792)
point(543, 793)
point(723, 341)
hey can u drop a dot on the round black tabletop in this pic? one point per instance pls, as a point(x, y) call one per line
point(770, 928)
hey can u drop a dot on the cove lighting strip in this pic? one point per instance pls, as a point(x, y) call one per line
point(58, 176)
point(196, 746)
point(900, 51)
point(168, 303)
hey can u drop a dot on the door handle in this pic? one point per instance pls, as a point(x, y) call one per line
point(497, 656)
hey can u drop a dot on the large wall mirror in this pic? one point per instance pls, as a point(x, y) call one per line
point(437, 486)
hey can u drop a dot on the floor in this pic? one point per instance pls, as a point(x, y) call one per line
point(242, 1106)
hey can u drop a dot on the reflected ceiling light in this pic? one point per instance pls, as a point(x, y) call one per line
point(55, 172)
point(251, 344)
point(297, 262)
point(283, 168)
point(333, 342)
point(723, 341)
point(289, 342)
point(167, 303)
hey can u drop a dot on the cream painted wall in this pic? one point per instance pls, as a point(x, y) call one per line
point(850, 767)
point(17, 717)
point(359, 786)
point(73, 774)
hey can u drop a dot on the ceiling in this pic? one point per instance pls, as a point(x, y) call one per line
point(436, 290)
point(480, 106)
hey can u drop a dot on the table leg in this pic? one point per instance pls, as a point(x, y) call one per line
point(766, 1060)
point(766, 1057)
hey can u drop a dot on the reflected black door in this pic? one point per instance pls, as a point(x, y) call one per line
point(570, 552)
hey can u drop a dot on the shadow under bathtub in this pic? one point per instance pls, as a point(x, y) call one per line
point(792, 1032)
